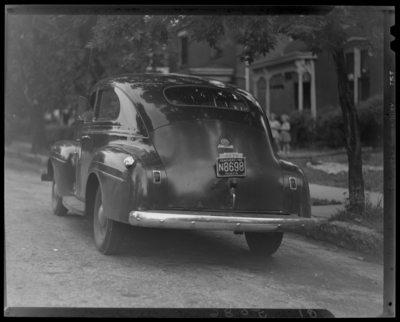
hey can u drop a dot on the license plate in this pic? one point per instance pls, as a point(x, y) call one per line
point(231, 167)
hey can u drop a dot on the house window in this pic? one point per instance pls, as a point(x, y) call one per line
point(363, 81)
point(358, 74)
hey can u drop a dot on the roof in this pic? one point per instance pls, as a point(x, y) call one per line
point(296, 45)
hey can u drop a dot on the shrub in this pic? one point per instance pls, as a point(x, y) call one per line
point(370, 114)
point(324, 202)
point(371, 217)
point(301, 128)
point(56, 133)
point(329, 128)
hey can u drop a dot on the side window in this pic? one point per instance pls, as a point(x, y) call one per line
point(107, 106)
point(93, 99)
point(129, 117)
point(88, 115)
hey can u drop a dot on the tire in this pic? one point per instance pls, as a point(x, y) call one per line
point(108, 234)
point(263, 243)
point(56, 201)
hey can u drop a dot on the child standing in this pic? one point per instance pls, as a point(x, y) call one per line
point(285, 135)
point(275, 126)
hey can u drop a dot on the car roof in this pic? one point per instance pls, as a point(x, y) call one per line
point(164, 79)
point(146, 91)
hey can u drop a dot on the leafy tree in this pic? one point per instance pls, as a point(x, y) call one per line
point(143, 39)
point(45, 56)
point(330, 33)
point(49, 65)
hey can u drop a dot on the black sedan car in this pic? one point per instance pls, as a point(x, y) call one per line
point(177, 151)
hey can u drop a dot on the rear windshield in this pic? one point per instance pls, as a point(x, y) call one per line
point(204, 96)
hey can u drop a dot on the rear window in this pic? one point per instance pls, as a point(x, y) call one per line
point(204, 96)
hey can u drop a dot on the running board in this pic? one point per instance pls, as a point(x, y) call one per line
point(74, 205)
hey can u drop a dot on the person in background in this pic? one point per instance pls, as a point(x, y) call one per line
point(275, 127)
point(285, 135)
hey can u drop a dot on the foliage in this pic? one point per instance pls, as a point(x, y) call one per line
point(330, 132)
point(371, 217)
point(324, 202)
point(142, 40)
point(331, 32)
point(47, 58)
point(56, 133)
point(49, 66)
point(302, 129)
point(370, 113)
point(329, 128)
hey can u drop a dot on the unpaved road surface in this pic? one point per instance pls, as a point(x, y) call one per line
point(52, 262)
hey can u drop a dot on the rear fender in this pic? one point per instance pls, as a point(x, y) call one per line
point(123, 188)
point(296, 201)
point(63, 166)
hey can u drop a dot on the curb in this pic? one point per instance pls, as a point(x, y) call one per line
point(349, 236)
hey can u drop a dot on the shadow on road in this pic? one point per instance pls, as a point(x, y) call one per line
point(174, 247)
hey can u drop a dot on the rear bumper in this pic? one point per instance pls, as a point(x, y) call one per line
point(216, 222)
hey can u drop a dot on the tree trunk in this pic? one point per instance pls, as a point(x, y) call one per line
point(352, 135)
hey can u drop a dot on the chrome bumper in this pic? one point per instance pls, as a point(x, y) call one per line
point(217, 222)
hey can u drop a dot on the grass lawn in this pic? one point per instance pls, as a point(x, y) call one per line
point(371, 218)
point(373, 180)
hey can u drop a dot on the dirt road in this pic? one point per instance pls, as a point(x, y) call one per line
point(52, 262)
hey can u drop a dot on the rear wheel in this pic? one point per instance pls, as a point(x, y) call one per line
point(56, 201)
point(108, 234)
point(263, 243)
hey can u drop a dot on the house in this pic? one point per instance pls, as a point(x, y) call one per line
point(298, 80)
point(287, 79)
point(199, 59)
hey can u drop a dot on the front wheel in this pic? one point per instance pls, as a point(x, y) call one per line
point(56, 201)
point(108, 234)
point(263, 243)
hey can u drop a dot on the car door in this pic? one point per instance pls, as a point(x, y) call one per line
point(83, 145)
point(96, 133)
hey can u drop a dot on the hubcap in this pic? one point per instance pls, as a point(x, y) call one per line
point(102, 217)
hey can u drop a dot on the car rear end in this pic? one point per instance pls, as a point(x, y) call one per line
point(219, 164)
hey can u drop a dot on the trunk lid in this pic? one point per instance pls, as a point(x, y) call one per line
point(189, 152)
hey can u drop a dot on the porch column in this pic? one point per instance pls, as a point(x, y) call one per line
point(255, 83)
point(356, 73)
point(313, 91)
point(300, 87)
point(267, 95)
point(247, 76)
